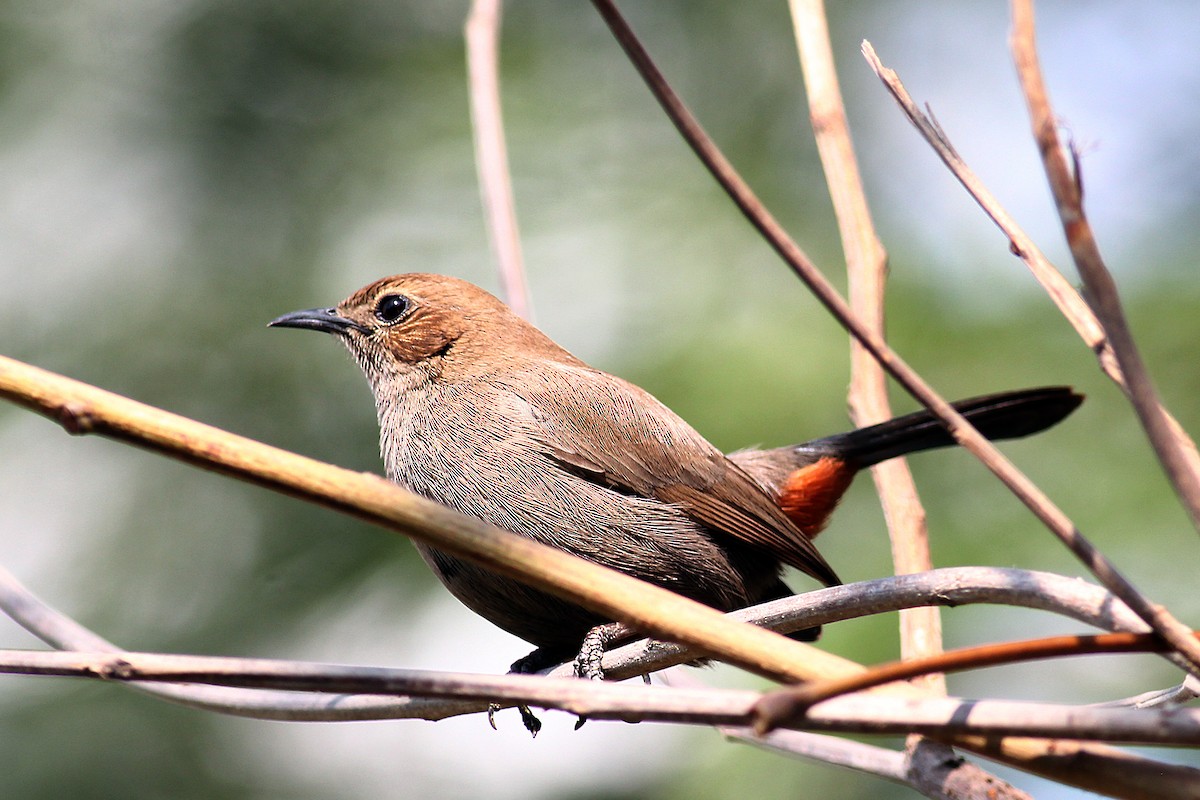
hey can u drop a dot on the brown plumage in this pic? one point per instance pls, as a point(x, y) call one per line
point(482, 412)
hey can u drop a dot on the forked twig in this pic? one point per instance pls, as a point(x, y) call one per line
point(1069, 302)
point(1060, 290)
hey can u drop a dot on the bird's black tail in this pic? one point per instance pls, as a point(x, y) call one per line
point(1008, 415)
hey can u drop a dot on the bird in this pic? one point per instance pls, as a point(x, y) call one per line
point(481, 411)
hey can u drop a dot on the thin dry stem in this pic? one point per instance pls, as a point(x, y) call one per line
point(491, 152)
point(866, 266)
point(1175, 450)
point(946, 717)
point(1061, 292)
point(792, 702)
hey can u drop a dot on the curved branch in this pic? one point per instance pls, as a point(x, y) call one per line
point(872, 713)
point(491, 153)
point(949, 587)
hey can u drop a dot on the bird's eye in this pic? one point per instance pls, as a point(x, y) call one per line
point(391, 307)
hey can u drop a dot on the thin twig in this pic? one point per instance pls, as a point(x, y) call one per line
point(1069, 302)
point(866, 268)
point(1175, 450)
point(491, 154)
point(628, 701)
point(785, 704)
point(1060, 290)
point(964, 433)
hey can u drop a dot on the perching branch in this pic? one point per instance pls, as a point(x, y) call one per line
point(80, 409)
point(953, 587)
point(873, 714)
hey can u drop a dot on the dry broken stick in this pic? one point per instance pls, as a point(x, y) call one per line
point(1174, 448)
point(1066, 298)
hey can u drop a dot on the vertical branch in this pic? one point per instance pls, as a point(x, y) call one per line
point(491, 155)
point(1175, 450)
point(866, 265)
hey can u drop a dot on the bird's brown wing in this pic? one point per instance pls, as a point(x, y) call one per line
point(619, 436)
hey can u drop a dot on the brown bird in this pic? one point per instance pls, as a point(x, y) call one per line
point(481, 411)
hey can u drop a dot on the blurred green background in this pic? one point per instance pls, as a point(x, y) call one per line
point(177, 174)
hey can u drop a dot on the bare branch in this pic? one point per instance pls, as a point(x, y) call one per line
point(1174, 448)
point(866, 267)
point(872, 713)
point(491, 153)
point(85, 409)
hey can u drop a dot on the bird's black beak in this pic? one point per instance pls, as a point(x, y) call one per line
point(318, 319)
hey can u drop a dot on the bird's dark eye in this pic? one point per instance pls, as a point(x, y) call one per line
point(391, 307)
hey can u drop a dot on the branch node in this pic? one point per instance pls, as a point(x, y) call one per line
point(75, 418)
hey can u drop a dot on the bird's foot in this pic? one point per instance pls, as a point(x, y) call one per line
point(531, 664)
point(588, 664)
